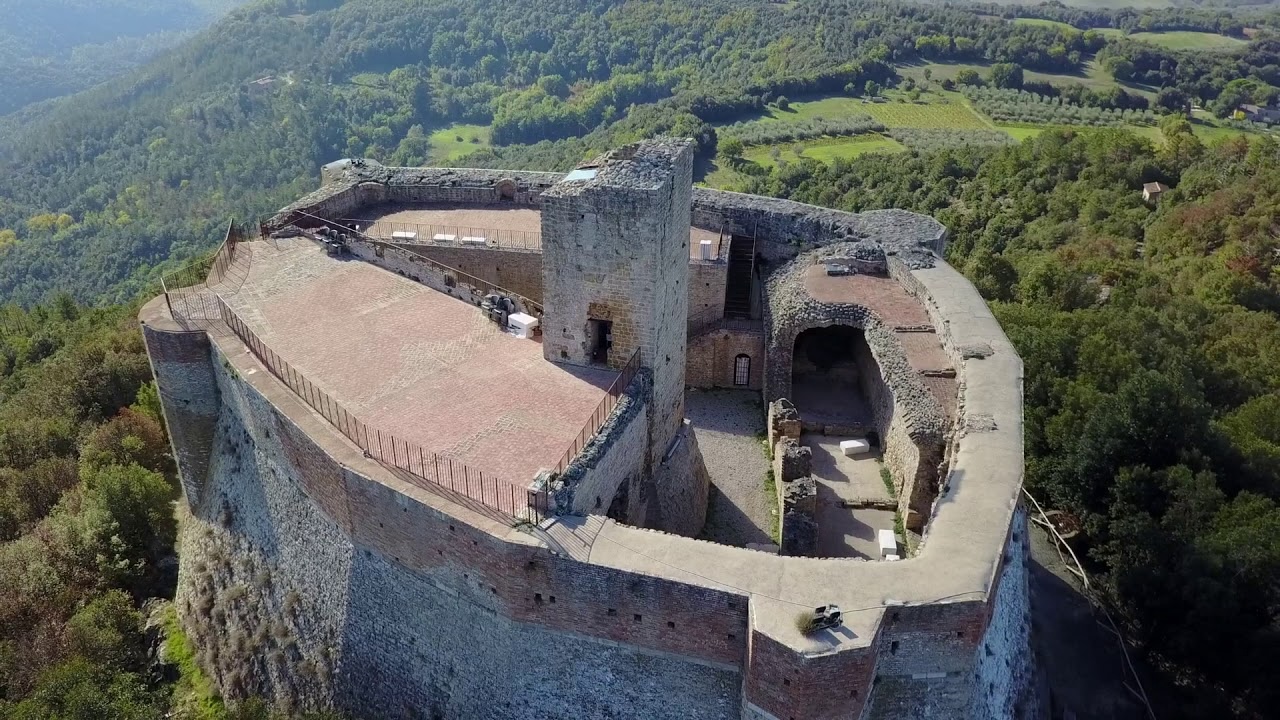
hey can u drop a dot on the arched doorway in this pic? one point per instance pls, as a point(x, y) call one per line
point(831, 372)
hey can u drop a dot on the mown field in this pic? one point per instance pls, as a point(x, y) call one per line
point(1185, 40)
point(1094, 77)
point(933, 111)
point(1037, 22)
point(453, 142)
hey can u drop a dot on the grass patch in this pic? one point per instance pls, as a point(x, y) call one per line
point(194, 696)
point(1022, 132)
point(771, 492)
point(827, 149)
point(1037, 22)
point(457, 140)
point(1188, 40)
point(887, 478)
point(823, 149)
point(806, 623)
point(1093, 77)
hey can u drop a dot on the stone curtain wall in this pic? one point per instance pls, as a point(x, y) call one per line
point(516, 270)
point(415, 267)
point(424, 612)
point(1004, 685)
point(927, 658)
point(180, 362)
point(366, 182)
point(681, 485)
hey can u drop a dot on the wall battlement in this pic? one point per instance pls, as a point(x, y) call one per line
point(405, 603)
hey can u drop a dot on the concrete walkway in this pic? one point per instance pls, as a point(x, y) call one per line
point(844, 531)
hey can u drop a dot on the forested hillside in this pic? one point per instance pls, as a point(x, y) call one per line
point(87, 527)
point(1150, 333)
point(51, 48)
point(100, 188)
point(1152, 350)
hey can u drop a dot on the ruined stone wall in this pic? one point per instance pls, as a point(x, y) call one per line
point(784, 229)
point(184, 377)
point(337, 588)
point(614, 459)
point(519, 271)
point(711, 357)
point(909, 418)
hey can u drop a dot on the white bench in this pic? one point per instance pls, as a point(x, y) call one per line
point(473, 240)
point(442, 237)
point(404, 235)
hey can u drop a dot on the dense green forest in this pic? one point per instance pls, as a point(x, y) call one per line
point(1150, 334)
point(51, 48)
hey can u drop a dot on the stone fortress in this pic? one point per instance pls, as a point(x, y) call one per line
point(431, 431)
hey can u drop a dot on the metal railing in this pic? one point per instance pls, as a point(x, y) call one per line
point(484, 286)
point(448, 235)
point(463, 484)
point(602, 411)
point(712, 318)
point(186, 289)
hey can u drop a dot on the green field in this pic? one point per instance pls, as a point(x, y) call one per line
point(1208, 133)
point(1094, 76)
point(826, 149)
point(1186, 40)
point(1044, 23)
point(934, 110)
point(455, 141)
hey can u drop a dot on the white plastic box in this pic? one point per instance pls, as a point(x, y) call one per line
point(888, 543)
point(522, 324)
point(854, 447)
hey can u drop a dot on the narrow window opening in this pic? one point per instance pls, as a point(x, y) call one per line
point(742, 370)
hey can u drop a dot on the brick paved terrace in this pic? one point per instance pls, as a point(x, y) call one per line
point(515, 224)
point(423, 366)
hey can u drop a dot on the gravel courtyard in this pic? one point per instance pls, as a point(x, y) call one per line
point(728, 424)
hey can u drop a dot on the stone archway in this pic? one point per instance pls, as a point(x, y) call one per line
point(834, 378)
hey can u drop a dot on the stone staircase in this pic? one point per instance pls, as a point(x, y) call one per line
point(737, 295)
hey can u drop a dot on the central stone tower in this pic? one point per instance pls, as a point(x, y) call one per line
point(615, 271)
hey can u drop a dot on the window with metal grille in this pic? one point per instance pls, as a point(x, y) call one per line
point(742, 370)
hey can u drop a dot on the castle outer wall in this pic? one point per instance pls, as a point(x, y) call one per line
point(312, 575)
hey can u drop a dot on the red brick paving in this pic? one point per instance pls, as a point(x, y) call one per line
point(924, 351)
point(388, 218)
point(882, 295)
point(428, 368)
